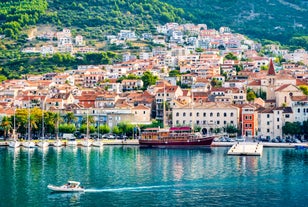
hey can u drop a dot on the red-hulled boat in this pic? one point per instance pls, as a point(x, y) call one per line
point(174, 137)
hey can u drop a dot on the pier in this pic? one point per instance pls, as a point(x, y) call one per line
point(246, 149)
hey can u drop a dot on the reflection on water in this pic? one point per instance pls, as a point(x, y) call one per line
point(130, 176)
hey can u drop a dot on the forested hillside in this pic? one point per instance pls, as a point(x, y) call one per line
point(270, 19)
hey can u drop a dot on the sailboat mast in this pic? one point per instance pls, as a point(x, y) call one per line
point(57, 129)
point(164, 107)
point(192, 111)
point(14, 130)
point(29, 124)
point(43, 125)
point(87, 123)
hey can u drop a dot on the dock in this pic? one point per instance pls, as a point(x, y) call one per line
point(246, 149)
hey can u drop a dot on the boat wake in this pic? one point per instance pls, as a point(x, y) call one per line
point(139, 188)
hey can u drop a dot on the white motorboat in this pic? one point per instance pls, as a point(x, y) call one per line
point(28, 144)
point(70, 186)
point(97, 143)
point(58, 143)
point(14, 144)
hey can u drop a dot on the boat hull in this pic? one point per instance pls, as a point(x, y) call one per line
point(201, 142)
point(14, 144)
point(28, 144)
point(63, 189)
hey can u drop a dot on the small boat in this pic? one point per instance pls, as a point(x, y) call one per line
point(57, 143)
point(28, 144)
point(70, 186)
point(43, 144)
point(86, 142)
point(14, 144)
point(97, 143)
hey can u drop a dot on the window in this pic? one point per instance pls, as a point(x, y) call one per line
point(143, 112)
point(184, 122)
point(231, 122)
point(218, 114)
point(197, 122)
point(184, 114)
point(204, 114)
point(268, 123)
point(225, 114)
point(268, 130)
point(287, 115)
point(211, 114)
point(231, 114)
point(278, 119)
point(268, 116)
point(218, 122)
point(190, 114)
point(197, 114)
point(278, 126)
point(298, 110)
point(225, 122)
point(177, 114)
point(177, 121)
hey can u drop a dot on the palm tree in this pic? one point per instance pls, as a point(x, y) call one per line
point(6, 125)
point(70, 118)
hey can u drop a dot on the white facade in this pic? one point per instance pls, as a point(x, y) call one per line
point(271, 121)
point(209, 116)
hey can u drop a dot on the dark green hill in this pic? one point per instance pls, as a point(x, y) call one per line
point(270, 19)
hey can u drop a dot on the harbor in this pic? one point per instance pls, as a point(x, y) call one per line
point(128, 175)
point(214, 144)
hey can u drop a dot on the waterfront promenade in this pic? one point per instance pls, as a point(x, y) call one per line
point(214, 144)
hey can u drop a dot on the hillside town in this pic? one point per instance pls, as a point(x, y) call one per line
point(218, 71)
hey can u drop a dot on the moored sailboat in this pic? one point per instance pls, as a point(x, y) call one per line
point(86, 142)
point(43, 143)
point(29, 143)
point(58, 142)
point(14, 143)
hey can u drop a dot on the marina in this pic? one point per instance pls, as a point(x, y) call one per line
point(127, 175)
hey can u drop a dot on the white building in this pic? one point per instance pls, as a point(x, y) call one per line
point(210, 116)
point(271, 121)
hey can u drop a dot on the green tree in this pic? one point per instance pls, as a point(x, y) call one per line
point(174, 73)
point(292, 128)
point(304, 89)
point(230, 56)
point(116, 130)
point(70, 118)
point(6, 125)
point(104, 129)
point(148, 79)
point(251, 96)
point(67, 128)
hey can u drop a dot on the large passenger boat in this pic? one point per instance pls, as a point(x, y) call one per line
point(174, 137)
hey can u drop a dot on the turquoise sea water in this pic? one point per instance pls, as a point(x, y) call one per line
point(133, 176)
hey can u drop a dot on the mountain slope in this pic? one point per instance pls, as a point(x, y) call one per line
point(272, 19)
